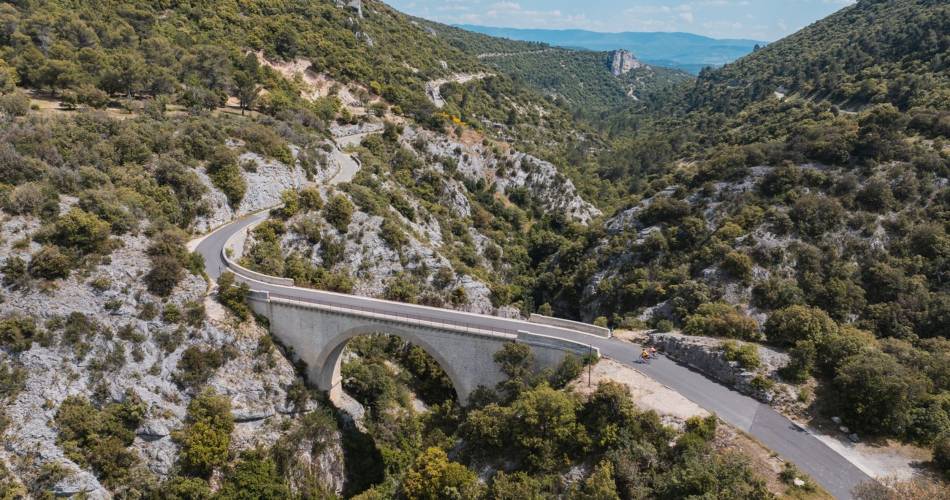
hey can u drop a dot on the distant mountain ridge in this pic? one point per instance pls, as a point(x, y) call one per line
point(684, 51)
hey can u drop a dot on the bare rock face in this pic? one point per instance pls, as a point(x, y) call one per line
point(355, 5)
point(706, 355)
point(622, 62)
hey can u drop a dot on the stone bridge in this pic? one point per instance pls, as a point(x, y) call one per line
point(316, 325)
point(317, 334)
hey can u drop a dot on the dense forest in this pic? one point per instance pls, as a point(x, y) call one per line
point(796, 198)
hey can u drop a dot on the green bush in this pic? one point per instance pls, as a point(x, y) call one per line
point(718, 319)
point(338, 212)
point(100, 438)
point(164, 275)
point(435, 477)
point(255, 475)
point(747, 355)
point(81, 230)
point(310, 199)
point(738, 265)
point(234, 296)
point(50, 263)
point(393, 234)
point(15, 274)
point(801, 362)
point(225, 174)
point(777, 294)
point(794, 323)
point(206, 437)
point(875, 393)
point(814, 216)
point(17, 333)
point(197, 365)
point(941, 455)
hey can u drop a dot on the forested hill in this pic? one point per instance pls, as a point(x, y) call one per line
point(581, 78)
point(799, 198)
point(895, 51)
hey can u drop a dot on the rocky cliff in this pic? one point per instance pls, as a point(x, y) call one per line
point(623, 61)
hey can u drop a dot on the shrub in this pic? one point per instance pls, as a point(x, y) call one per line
point(233, 296)
point(402, 288)
point(197, 365)
point(17, 333)
point(206, 436)
point(226, 175)
point(832, 350)
point(788, 326)
point(32, 198)
point(81, 230)
point(310, 199)
point(941, 455)
point(568, 369)
point(50, 263)
point(801, 362)
point(254, 476)
point(338, 212)
point(814, 215)
point(747, 355)
point(876, 393)
point(738, 265)
point(92, 97)
point(718, 319)
point(392, 233)
point(777, 294)
point(15, 273)
point(14, 104)
point(434, 477)
point(100, 438)
point(164, 275)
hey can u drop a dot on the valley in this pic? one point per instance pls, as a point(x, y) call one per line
point(775, 227)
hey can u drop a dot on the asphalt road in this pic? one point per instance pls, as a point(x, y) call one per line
point(835, 473)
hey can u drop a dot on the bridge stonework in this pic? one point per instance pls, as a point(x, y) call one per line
point(317, 335)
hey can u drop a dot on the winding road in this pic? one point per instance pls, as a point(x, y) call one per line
point(835, 473)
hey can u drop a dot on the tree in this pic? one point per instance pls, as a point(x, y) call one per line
point(338, 212)
point(207, 434)
point(794, 323)
point(8, 78)
point(164, 275)
point(544, 427)
point(226, 175)
point(718, 319)
point(517, 486)
point(609, 414)
point(876, 393)
point(435, 477)
point(81, 230)
point(599, 486)
point(233, 296)
point(247, 89)
point(942, 455)
point(255, 476)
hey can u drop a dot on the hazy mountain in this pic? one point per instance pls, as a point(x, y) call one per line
point(678, 50)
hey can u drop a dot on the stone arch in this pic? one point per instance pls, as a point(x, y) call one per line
point(326, 370)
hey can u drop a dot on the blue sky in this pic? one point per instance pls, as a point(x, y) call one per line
point(766, 20)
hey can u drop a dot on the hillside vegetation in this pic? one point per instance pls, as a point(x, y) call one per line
point(820, 211)
point(581, 78)
point(814, 219)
